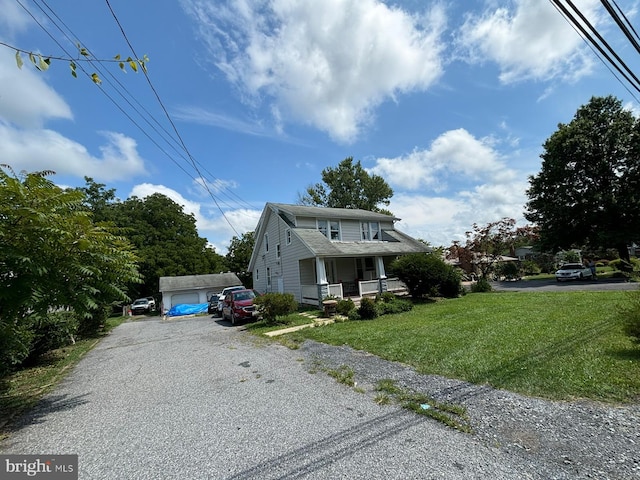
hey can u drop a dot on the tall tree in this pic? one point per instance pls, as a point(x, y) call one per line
point(587, 192)
point(239, 256)
point(166, 239)
point(349, 186)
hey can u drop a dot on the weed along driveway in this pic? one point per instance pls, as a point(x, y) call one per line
point(198, 399)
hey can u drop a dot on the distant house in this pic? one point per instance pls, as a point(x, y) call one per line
point(194, 289)
point(313, 252)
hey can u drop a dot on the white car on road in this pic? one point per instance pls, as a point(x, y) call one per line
point(573, 271)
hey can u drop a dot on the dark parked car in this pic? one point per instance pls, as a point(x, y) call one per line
point(238, 305)
point(212, 309)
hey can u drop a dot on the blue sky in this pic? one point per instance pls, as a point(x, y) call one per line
point(449, 101)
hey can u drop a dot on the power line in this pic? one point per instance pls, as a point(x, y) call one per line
point(174, 144)
point(175, 129)
point(587, 31)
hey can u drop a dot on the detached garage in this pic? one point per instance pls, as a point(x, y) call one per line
point(194, 289)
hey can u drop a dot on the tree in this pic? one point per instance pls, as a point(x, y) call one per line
point(98, 199)
point(166, 240)
point(239, 256)
point(588, 189)
point(486, 244)
point(52, 256)
point(349, 186)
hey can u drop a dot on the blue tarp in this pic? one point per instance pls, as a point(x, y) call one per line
point(187, 309)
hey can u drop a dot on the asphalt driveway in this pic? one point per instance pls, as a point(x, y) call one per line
point(198, 399)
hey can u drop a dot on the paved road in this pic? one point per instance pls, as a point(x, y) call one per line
point(198, 399)
point(601, 285)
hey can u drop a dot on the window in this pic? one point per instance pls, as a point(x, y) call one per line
point(370, 230)
point(268, 277)
point(287, 235)
point(322, 227)
point(257, 274)
point(334, 229)
point(266, 243)
point(330, 229)
point(375, 230)
point(277, 250)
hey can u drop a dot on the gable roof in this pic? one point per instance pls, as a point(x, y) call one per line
point(190, 282)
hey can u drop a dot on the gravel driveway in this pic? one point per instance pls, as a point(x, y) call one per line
point(197, 399)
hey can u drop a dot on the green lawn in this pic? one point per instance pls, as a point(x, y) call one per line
point(559, 345)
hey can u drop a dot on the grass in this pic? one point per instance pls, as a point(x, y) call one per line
point(558, 345)
point(452, 415)
point(261, 327)
point(21, 391)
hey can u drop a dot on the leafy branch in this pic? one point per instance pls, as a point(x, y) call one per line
point(43, 62)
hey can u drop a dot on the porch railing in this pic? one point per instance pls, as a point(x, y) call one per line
point(369, 287)
point(336, 290)
point(395, 285)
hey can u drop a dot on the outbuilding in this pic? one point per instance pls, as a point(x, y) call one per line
point(194, 289)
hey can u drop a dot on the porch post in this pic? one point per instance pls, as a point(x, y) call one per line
point(382, 276)
point(321, 280)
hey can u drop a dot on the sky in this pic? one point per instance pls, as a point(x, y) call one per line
point(247, 101)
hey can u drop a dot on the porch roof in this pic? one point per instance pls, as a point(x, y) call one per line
point(393, 243)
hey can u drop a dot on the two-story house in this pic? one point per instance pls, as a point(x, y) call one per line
point(314, 252)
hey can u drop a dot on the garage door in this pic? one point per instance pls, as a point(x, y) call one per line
point(181, 298)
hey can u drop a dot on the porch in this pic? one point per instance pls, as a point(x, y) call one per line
point(313, 294)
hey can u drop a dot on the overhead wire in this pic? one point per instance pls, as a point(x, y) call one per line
point(170, 120)
point(175, 145)
point(613, 60)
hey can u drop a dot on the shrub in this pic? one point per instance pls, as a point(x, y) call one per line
point(386, 297)
point(624, 266)
point(345, 305)
point(481, 286)
point(509, 270)
point(397, 306)
point(529, 267)
point(52, 331)
point(274, 305)
point(425, 273)
point(451, 285)
point(368, 309)
point(354, 315)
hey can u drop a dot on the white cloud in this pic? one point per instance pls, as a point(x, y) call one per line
point(13, 18)
point(25, 99)
point(328, 64)
point(531, 40)
point(481, 188)
point(454, 153)
point(441, 220)
point(41, 149)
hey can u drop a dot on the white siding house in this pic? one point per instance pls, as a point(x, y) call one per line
point(313, 252)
